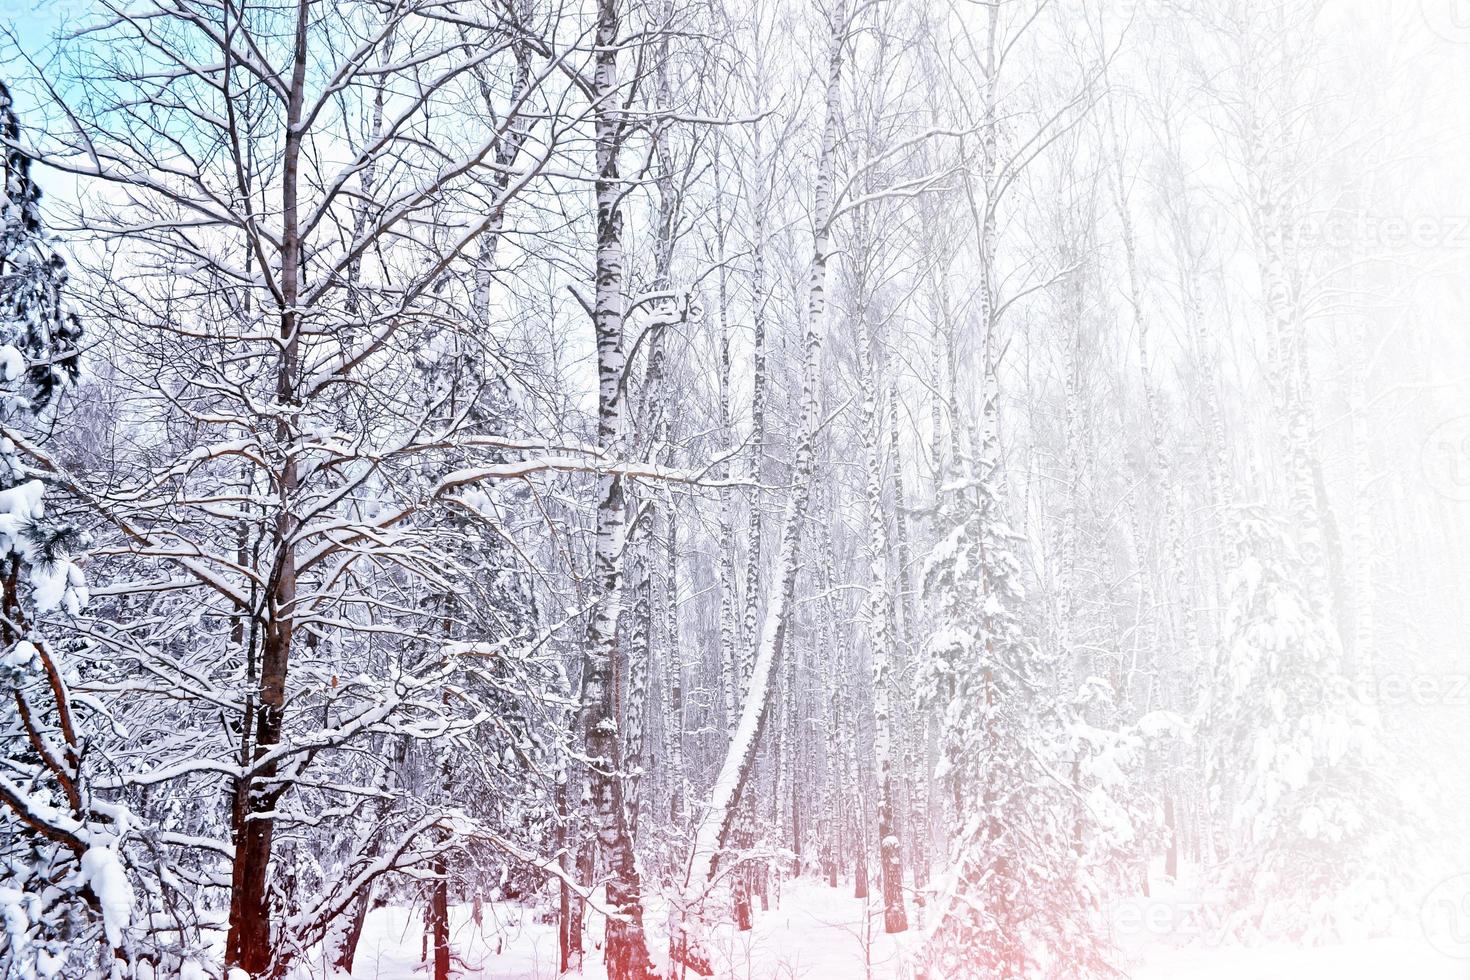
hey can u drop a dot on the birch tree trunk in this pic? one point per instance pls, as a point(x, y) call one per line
point(626, 952)
point(878, 614)
point(913, 726)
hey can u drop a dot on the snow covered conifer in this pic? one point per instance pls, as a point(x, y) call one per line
point(65, 899)
point(1016, 900)
point(1295, 760)
point(38, 335)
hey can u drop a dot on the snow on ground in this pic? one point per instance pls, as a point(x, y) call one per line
point(819, 933)
point(506, 944)
point(814, 933)
point(1390, 959)
point(1175, 934)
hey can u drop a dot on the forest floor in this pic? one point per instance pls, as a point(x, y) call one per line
point(819, 933)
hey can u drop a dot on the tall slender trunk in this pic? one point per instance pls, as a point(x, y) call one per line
point(1317, 532)
point(634, 702)
point(248, 942)
point(675, 669)
point(665, 573)
point(788, 797)
point(757, 446)
point(845, 720)
point(836, 782)
point(569, 919)
point(438, 924)
point(911, 728)
point(1175, 672)
point(626, 952)
point(518, 130)
point(1359, 662)
point(730, 637)
point(363, 904)
point(878, 614)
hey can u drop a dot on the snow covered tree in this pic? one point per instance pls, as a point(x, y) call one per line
point(65, 899)
point(1017, 899)
point(1296, 762)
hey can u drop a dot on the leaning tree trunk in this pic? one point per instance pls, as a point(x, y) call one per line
point(745, 810)
point(736, 770)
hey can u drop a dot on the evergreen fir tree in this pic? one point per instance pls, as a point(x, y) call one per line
point(65, 899)
point(1017, 901)
point(1295, 759)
